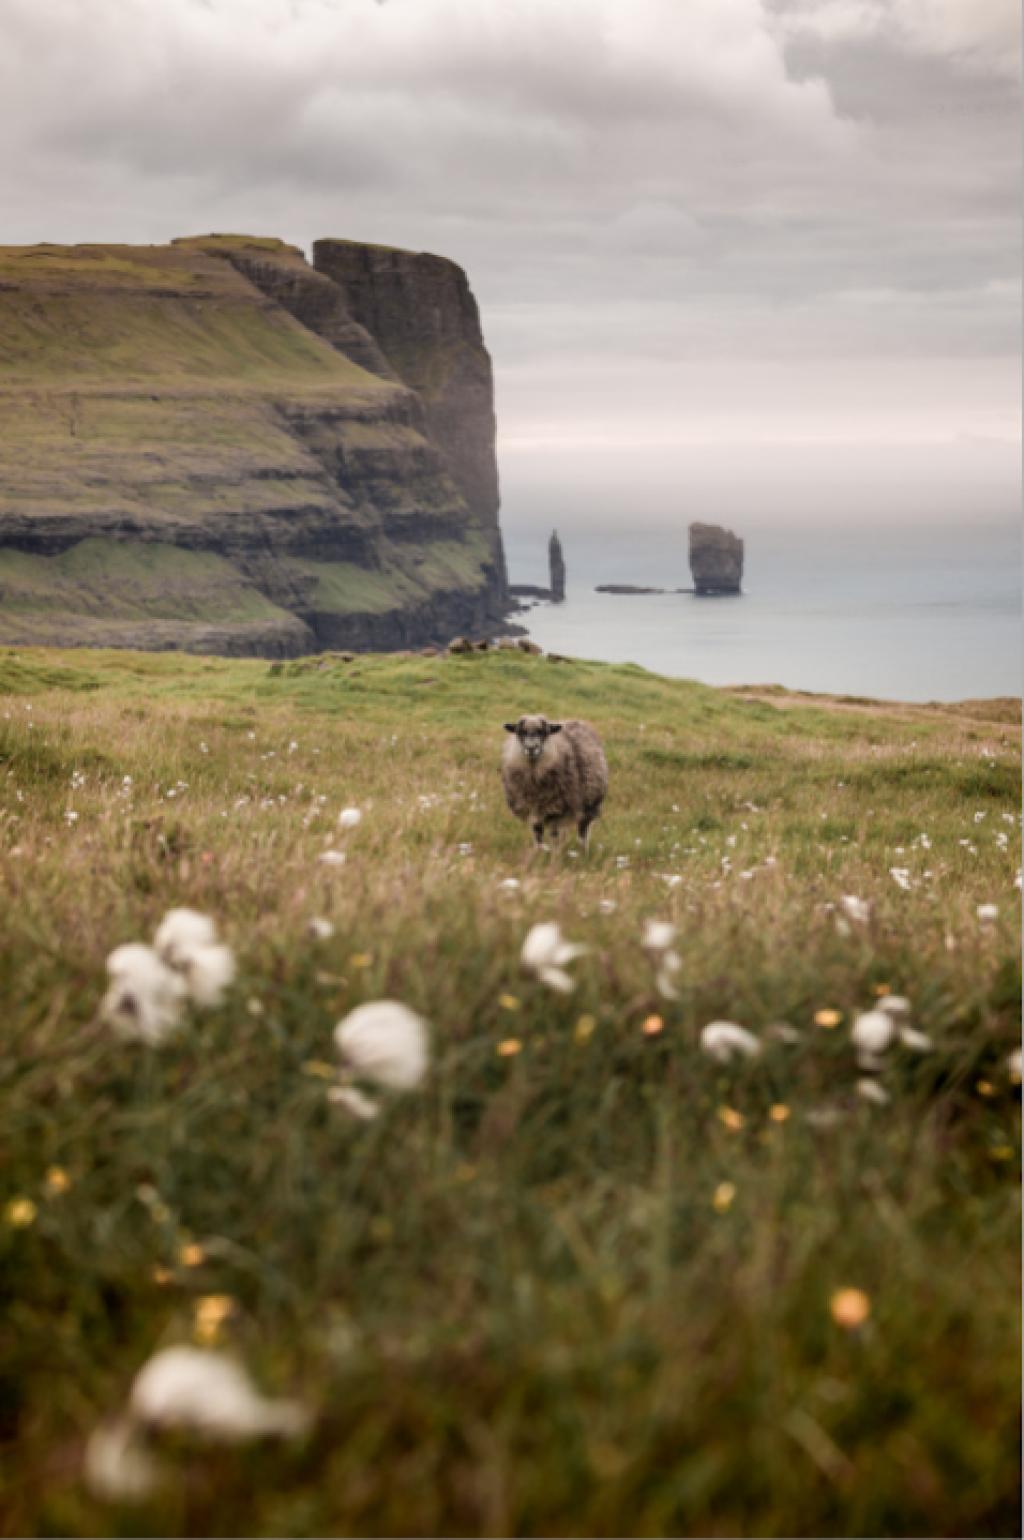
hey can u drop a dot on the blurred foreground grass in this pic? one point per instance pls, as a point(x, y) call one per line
point(582, 1285)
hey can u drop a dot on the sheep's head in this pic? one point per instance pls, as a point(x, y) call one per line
point(532, 733)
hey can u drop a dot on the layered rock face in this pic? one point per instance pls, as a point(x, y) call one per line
point(716, 559)
point(420, 310)
point(203, 446)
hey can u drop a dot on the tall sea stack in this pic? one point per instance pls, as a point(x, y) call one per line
point(556, 564)
point(716, 559)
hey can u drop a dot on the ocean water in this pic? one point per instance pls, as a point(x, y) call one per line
point(914, 613)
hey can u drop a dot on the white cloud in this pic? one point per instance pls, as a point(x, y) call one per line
point(981, 35)
point(670, 210)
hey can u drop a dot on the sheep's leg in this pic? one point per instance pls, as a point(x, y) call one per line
point(587, 819)
point(538, 833)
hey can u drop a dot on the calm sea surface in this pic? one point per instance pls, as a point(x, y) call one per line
point(915, 613)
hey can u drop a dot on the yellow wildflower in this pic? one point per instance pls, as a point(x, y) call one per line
point(850, 1308)
point(731, 1118)
point(722, 1197)
point(321, 1069)
point(211, 1311)
point(20, 1213)
point(584, 1028)
point(827, 1017)
point(509, 1047)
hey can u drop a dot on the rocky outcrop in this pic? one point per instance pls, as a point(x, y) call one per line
point(556, 566)
point(202, 446)
point(633, 588)
point(716, 559)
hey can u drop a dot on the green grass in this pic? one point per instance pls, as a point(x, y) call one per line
point(512, 1300)
point(75, 315)
point(151, 581)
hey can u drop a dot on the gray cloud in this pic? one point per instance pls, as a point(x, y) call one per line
point(773, 218)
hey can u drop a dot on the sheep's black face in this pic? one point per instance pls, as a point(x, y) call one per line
point(532, 733)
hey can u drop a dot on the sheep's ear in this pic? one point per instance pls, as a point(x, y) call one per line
point(510, 727)
point(554, 727)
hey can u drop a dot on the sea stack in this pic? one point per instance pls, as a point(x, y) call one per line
point(716, 559)
point(556, 564)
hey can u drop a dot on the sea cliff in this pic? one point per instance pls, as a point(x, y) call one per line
point(214, 446)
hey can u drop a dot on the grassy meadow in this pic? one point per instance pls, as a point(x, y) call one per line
point(586, 1280)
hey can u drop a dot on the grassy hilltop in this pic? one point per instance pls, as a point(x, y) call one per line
point(586, 1281)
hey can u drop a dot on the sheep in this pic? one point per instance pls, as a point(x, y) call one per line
point(554, 773)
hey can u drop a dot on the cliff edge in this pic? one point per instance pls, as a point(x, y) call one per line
point(215, 446)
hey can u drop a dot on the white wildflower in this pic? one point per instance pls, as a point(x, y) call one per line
point(917, 1042)
point(607, 906)
point(116, 1466)
point(349, 817)
point(724, 1040)
point(187, 941)
point(900, 876)
point(658, 935)
point(669, 964)
point(145, 999)
point(208, 1393)
point(545, 953)
point(987, 914)
point(871, 1091)
point(873, 1032)
point(509, 885)
point(384, 1042)
point(896, 1006)
point(332, 858)
point(823, 1117)
point(1013, 1066)
point(319, 929)
point(856, 909)
point(353, 1100)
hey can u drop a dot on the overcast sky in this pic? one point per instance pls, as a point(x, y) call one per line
point(768, 245)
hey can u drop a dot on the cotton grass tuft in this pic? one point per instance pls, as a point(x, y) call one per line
point(145, 999)
point(873, 1032)
point(203, 1392)
point(546, 952)
point(187, 941)
point(724, 1041)
point(385, 1043)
